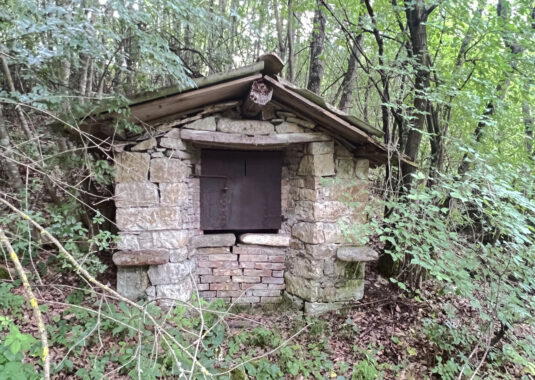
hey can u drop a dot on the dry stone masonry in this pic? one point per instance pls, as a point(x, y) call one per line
point(163, 253)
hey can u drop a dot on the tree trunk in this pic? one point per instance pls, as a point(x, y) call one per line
point(350, 77)
point(528, 120)
point(290, 31)
point(11, 86)
point(316, 49)
point(11, 167)
point(417, 15)
point(278, 24)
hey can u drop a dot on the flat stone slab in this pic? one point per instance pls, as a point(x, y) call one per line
point(132, 258)
point(273, 240)
point(213, 240)
point(316, 308)
point(353, 254)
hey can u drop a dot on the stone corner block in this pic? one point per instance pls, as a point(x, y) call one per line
point(131, 258)
point(168, 170)
point(170, 273)
point(169, 295)
point(144, 145)
point(355, 254)
point(131, 166)
point(204, 124)
point(136, 194)
point(213, 240)
point(319, 165)
point(274, 240)
point(132, 282)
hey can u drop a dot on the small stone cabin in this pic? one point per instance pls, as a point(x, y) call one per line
point(242, 188)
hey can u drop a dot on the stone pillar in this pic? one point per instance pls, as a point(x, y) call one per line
point(332, 194)
point(157, 211)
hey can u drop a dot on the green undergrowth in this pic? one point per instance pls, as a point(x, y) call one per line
point(98, 339)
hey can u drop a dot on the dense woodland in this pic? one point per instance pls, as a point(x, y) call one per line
point(449, 82)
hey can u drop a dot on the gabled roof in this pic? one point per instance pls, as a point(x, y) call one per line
point(157, 106)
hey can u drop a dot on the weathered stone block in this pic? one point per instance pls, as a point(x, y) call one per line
point(136, 194)
point(345, 168)
point(320, 165)
point(173, 133)
point(128, 241)
point(310, 290)
point(174, 194)
point(341, 151)
point(131, 167)
point(140, 258)
point(246, 127)
point(213, 240)
point(308, 232)
point(362, 167)
point(286, 127)
point(323, 147)
point(348, 271)
point(275, 240)
point(306, 268)
point(205, 124)
point(333, 233)
point(173, 143)
point(171, 238)
point(304, 123)
point(144, 145)
point(132, 282)
point(151, 292)
point(168, 170)
point(177, 255)
point(352, 290)
point(180, 292)
point(321, 212)
point(346, 190)
point(178, 154)
point(316, 308)
point(321, 251)
point(212, 250)
point(149, 218)
point(295, 301)
point(170, 273)
point(353, 254)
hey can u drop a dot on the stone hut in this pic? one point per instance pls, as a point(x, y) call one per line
point(243, 188)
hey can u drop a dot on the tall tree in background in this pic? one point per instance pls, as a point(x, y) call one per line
point(315, 73)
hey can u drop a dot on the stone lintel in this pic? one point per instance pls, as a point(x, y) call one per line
point(274, 240)
point(213, 240)
point(356, 254)
point(132, 258)
point(238, 140)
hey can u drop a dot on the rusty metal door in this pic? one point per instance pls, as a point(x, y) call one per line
point(240, 190)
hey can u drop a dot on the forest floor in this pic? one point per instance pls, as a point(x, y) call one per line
point(383, 336)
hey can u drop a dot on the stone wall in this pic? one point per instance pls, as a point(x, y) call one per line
point(164, 254)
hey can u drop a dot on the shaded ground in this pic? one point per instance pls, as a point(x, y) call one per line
point(382, 336)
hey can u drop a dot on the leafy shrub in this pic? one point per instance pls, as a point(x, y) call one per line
point(474, 238)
